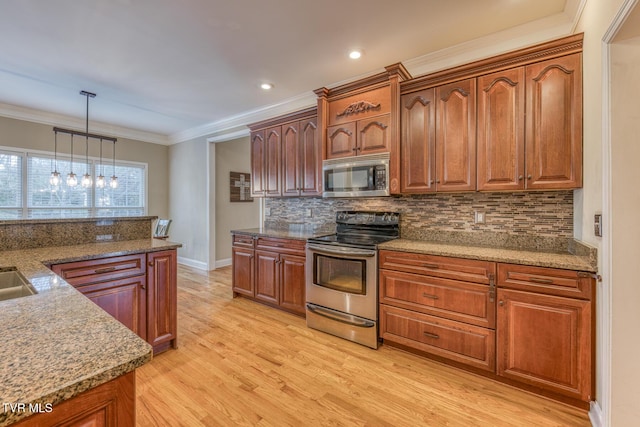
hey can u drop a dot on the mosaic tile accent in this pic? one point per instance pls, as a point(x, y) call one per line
point(26, 234)
point(536, 220)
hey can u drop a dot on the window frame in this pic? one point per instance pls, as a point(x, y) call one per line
point(94, 163)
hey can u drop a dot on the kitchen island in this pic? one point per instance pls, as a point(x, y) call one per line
point(57, 344)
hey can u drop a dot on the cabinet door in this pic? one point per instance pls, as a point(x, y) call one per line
point(554, 123)
point(456, 136)
point(162, 301)
point(418, 142)
point(341, 140)
point(242, 273)
point(257, 163)
point(292, 283)
point(373, 135)
point(501, 130)
point(124, 299)
point(267, 276)
point(545, 341)
point(291, 159)
point(310, 179)
point(273, 142)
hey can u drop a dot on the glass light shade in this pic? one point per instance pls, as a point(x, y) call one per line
point(72, 179)
point(54, 179)
point(86, 180)
point(101, 182)
point(114, 182)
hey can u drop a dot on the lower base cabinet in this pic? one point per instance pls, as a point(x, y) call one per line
point(270, 270)
point(110, 404)
point(529, 326)
point(139, 290)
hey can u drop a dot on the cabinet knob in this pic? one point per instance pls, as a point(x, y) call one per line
point(143, 286)
point(150, 263)
point(501, 303)
point(529, 177)
point(437, 181)
point(520, 178)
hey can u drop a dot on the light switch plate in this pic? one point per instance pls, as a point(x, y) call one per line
point(597, 224)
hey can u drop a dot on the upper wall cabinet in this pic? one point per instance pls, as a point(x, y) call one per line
point(363, 117)
point(508, 123)
point(286, 157)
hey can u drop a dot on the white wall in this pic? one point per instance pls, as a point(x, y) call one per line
point(189, 200)
point(232, 156)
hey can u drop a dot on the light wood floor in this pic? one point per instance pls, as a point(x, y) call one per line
point(242, 363)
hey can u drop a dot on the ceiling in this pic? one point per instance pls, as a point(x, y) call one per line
point(165, 70)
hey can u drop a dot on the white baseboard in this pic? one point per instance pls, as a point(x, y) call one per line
point(595, 415)
point(223, 262)
point(193, 263)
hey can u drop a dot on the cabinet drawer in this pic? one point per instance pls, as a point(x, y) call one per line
point(461, 301)
point(100, 270)
point(244, 240)
point(466, 270)
point(551, 281)
point(468, 344)
point(281, 245)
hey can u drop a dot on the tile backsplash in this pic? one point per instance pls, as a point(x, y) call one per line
point(540, 220)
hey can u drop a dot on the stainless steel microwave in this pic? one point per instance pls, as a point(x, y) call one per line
point(357, 176)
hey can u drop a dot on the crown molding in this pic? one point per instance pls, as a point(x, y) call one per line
point(232, 124)
point(55, 119)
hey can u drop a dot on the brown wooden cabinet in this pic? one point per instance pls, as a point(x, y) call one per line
point(286, 156)
point(270, 270)
point(545, 150)
point(501, 128)
point(139, 290)
point(418, 142)
point(366, 136)
point(545, 329)
point(110, 404)
point(439, 305)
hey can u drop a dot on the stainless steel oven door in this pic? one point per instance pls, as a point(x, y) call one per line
point(343, 279)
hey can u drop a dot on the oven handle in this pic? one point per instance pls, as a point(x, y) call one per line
point(341, 251)
point(340, 317)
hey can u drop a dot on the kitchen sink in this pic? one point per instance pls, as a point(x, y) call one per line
point(14, 285)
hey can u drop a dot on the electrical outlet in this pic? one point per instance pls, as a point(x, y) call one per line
point(479, 217)
point(267, 211)
point(597, 224)
point(308, 213)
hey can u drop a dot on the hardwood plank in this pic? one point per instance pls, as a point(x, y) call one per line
point(244, 363)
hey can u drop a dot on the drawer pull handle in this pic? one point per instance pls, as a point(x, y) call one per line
point(428, 265)
point(543, 281)
point(426, 295)
point(430, 335)
point(104, 270)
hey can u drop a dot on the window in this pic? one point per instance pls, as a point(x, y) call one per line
point(10, 186)
point(25, 191)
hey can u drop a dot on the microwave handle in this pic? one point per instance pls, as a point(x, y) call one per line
point(341, 251)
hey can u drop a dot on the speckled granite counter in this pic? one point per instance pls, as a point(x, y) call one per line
point(285, 234)
point(57, 343)
point(525, 257)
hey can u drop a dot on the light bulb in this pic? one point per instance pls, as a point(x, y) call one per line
point(86, 180)
point(101, 181)
point(114, 182)
point(54, 179)
point(72, 179)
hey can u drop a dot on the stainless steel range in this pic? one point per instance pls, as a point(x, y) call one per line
point(342, 279)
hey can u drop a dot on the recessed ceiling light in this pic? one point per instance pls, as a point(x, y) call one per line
point(355, 54)
point(266, 86)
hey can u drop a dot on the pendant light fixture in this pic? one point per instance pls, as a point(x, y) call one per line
point(72, 179)
point(87, 181)
point(100, 180)
point(54, 179)
point(114, 179)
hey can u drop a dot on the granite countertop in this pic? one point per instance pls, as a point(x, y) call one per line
point(57, 343)
point(301, 234)
point(566, 260)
